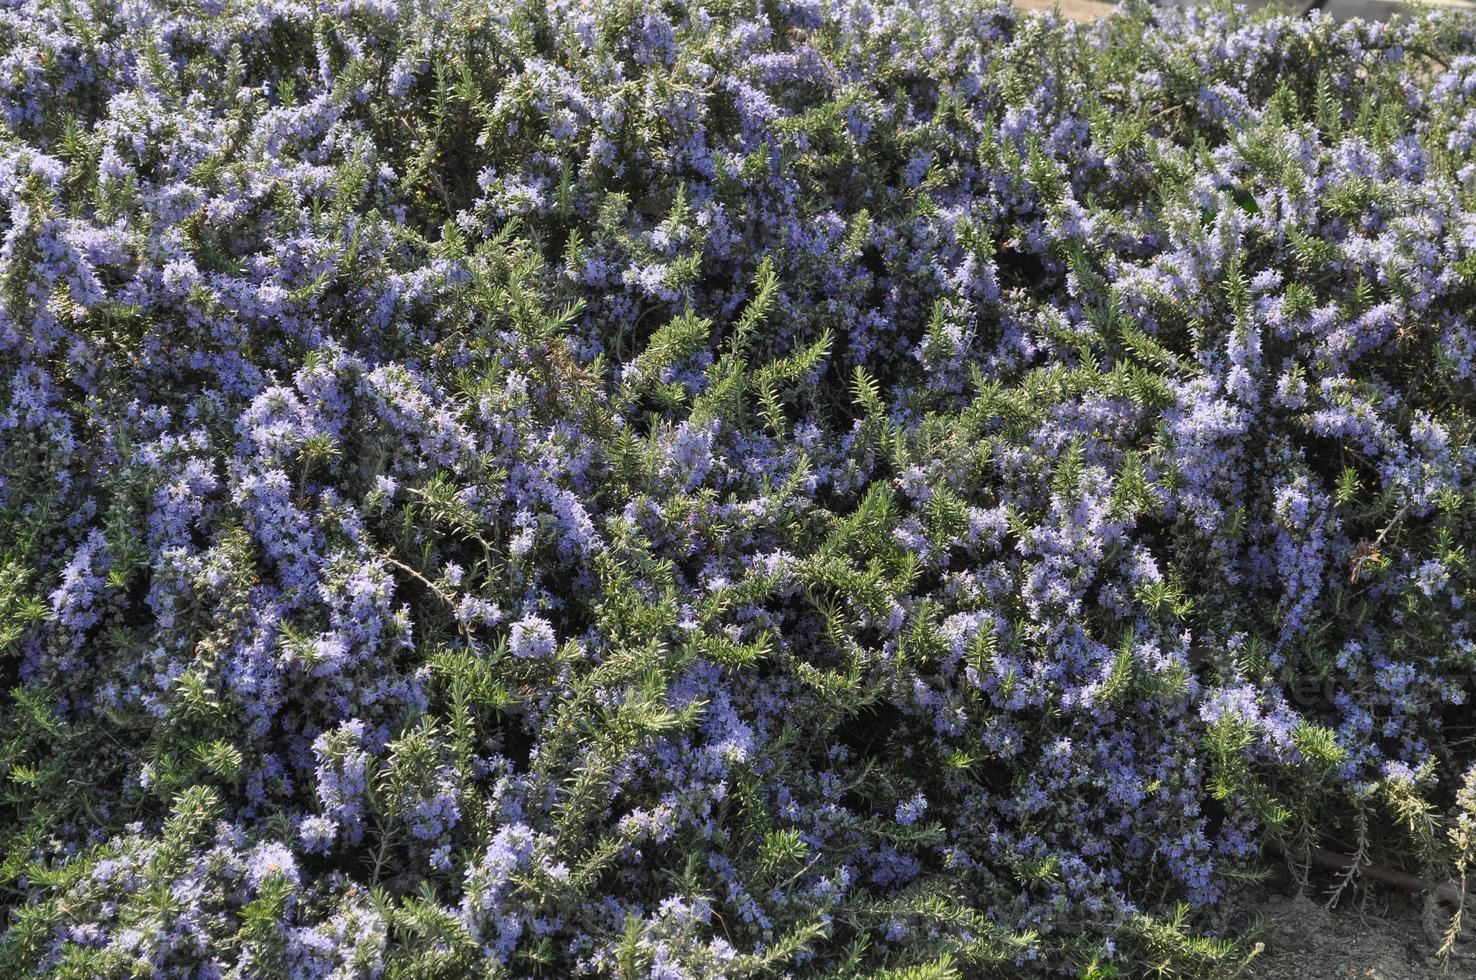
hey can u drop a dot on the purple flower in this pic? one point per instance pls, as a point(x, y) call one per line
point(531, 637)
point(911, 810)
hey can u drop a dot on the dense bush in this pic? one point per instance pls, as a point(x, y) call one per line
point(660, 489)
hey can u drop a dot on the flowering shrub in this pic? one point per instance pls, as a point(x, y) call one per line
point(666, 489)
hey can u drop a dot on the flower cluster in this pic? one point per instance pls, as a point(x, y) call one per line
point(695, 489)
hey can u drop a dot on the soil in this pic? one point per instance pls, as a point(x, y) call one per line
point(1372, 934)
point(1305, 941)
point(1080, 10)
